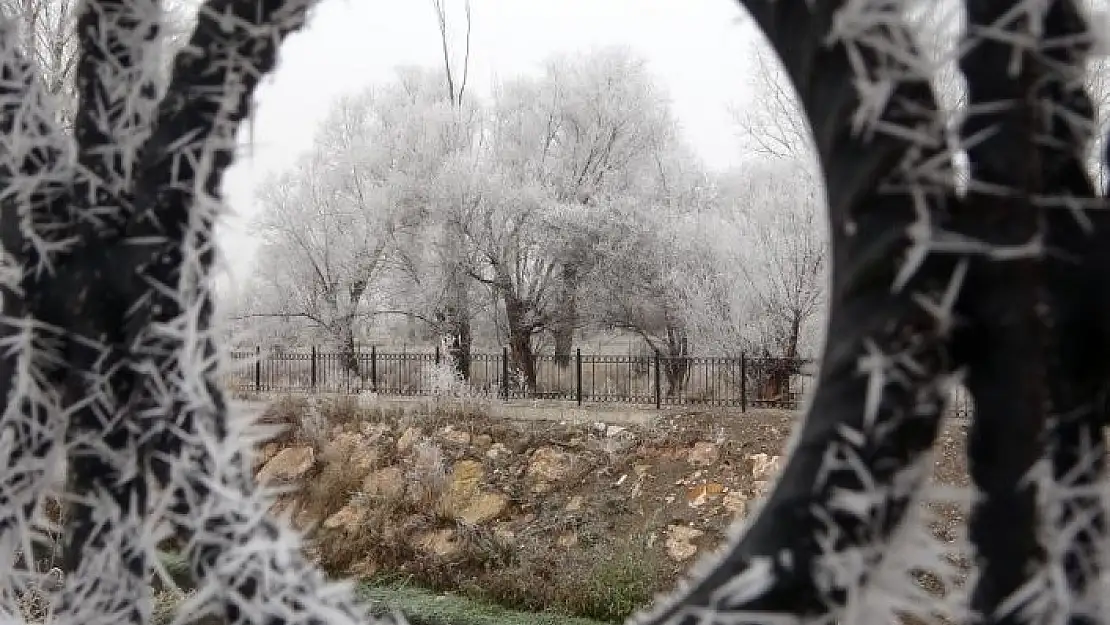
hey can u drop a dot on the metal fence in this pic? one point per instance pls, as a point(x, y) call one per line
point(741, 382)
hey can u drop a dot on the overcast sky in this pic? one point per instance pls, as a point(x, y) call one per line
point(699, 49)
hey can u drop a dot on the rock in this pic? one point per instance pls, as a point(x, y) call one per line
point(641, 469)
point(353, 450)
point(483, 441)
point(443, 543)
point(408, 439)
point(451, 436)
point(764, 466)
point(698, 496)
point(703, 454)
point(549, 465)
point(679, 545)
point(288, 465)
point(567, 540)
point(465, 477)
point(463, 485)
point(735, 503)
point(342, 444)
point(575, 504)
point(483, 508)
point(348, 518)
point(387, 483)
point(614, 430)
point(266, 453)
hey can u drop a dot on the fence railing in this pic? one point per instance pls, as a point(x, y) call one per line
point(741, 382)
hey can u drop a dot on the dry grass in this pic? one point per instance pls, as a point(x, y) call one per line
point(606, 582)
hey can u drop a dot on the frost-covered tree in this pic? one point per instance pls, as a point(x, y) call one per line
point(773, 207)
point(109, 358)
point(586, 129)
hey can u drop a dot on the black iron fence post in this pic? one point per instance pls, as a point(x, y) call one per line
point(578, 375)
point(505, 373)
point(374, 367)
point(257, 369)
point(437, 356)
point(743, 383)
point(658, 385)
point(312, 355)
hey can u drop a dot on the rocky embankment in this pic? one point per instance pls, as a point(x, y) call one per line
point(507, 510)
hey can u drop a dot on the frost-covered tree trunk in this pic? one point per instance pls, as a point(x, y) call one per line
point(108, 354)
point(1036, 344)
point(455, 312)
point(1008, 281)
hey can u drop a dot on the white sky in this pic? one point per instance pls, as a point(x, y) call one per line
point(699, 49)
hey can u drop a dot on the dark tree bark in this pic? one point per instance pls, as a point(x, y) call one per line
point(1037, 348)
point(520, 341)
point(786, 564)
point(107, 314)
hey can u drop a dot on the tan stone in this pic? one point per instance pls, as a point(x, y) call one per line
point(451, 436)
point(575, 503)
point(288, 465)
point(408, 439)
point(764, 466)
point(348, 518)
point(483, 441)
point(698, 496)
point(549, 465)
point(735, 503)
point(342, 445)
point(641, 469)
point(703, 454)
point(463, 485)
point(483, 507)
point(353, 451)
point(266, 453)
point(443, 543)
point(679, 545)
point(386, 483)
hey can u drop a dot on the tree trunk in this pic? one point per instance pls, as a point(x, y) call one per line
point(348, 355)
point(568, 318)
point(676, 364)
point(564, 343)
point(457, 325)
point(520, 343)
